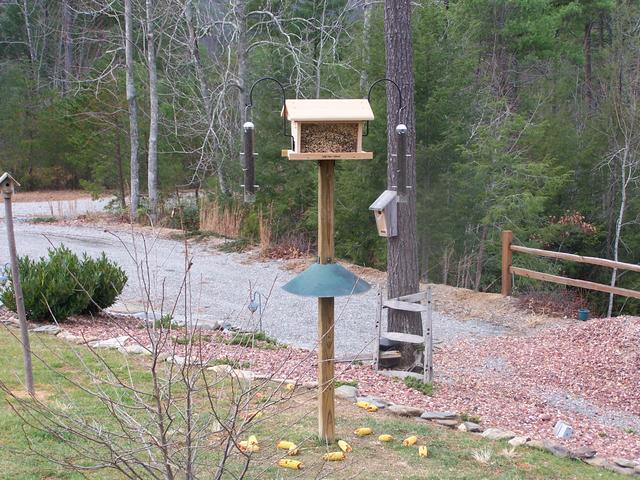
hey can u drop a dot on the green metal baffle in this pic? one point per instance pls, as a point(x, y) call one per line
point(325, 281)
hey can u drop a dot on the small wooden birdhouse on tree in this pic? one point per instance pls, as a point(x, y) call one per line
point(385, 210)
point(327, 129)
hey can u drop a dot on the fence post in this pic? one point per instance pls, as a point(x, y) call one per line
point(507, 238)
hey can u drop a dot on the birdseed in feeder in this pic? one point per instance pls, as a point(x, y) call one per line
point(329, 137)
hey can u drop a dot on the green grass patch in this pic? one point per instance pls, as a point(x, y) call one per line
point(424, 387)
point(350, 383)
point(252, 339)
point(193, 339)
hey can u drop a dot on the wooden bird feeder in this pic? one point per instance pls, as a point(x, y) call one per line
point(327, 129)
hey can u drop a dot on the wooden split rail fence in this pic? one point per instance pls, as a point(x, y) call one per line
point(508, 248)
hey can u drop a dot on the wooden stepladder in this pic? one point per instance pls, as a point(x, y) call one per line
point(420, 302)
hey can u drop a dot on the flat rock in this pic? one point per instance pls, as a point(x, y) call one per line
point(136, 349)
point(623, 462)
point(439, 415)
point(618, 469)
point(597, 461)
point(556, 449)
point(347, 392)
point(518, 441)
point(378, 402)
point(10, 321)
point(177, 359)
point(446, 423)
point(221, 370)
point(70, 337)
point(404, 410)
point(537, 444)
point(48, 329)
point(637, 469)
point(117, 342)
point(583, 453)
point(470, 427)
point(498, 434)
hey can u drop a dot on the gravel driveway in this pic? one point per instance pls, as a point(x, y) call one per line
point(220, 287)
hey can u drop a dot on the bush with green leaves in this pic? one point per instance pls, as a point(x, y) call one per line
point(62, 285)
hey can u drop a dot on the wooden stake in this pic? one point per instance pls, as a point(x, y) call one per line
point(326, 407)
point(17, 289)
point(507, 238)
point(428, 340)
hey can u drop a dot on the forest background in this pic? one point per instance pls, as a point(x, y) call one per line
point(527, 119)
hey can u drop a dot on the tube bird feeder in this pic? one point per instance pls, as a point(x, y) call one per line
point(326, 130)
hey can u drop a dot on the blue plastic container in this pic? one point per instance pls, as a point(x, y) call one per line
point(583, 314)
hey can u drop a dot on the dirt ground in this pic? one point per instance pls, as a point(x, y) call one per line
point(50, 196)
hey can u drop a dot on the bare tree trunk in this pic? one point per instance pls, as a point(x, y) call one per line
point(320, 51)
point(480, 259)
point(152, 175)
point(366, 51)
point(243, 57)
point(616, 241)
point(120, 167)
point(67, 42)
point(134, 135)
point(588, 78)
point(205, 91)
point(402, 262)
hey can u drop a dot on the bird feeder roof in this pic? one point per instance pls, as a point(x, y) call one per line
point(327, 110)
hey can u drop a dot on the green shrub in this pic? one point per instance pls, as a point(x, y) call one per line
point(108, 281)
point(62, 285)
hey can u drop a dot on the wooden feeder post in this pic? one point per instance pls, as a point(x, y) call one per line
point(327, 130)
point(7, 184)
point(326, 407)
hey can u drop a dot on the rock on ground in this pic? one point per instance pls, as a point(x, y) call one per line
point(347, 392)
point(498, 434)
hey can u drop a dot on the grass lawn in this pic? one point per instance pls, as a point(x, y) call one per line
point(451, 453)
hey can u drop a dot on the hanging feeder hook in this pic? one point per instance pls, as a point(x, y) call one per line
point(401, 105)
point(284, 98)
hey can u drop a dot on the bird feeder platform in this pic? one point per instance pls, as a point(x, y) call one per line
point(327, 129)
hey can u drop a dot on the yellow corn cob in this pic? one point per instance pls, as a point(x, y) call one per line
point(288, 463)
point(245, 446)
point(407, 442)
point(289, 387)
point(364, 405)
point(253, 440)
point(344, 446)
point(363, 431)
point(292, 448)
point(385, 438)
point(423, 451)
point(334, 456)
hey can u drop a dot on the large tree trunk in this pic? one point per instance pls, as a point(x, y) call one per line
point(402, 262)
point(134, 135)
point(152, 174)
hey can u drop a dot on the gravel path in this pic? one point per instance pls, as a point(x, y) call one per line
point(58, 208)
point(220, 287)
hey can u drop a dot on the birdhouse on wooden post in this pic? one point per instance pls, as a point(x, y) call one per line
point(8, 184)
point(327, 129)
point(385, 211)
